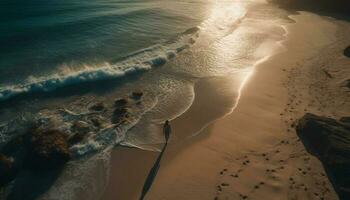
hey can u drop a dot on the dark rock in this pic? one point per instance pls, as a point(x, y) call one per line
point(136, 95)
point(36, 151)
point(120, 115)
point(100, 106)
point(48, 149)
point(191, 30)
point(347, 52)
point(329, 140)
point(192, 41)
point(97, 122)
point(81, 126)
point(76, 138)
point(15, 145)
point(347, 83)
point(7, 170)
point(120, 102)
point(80, 129)
point(120, 111)
point(345, 120)
point(12, 156)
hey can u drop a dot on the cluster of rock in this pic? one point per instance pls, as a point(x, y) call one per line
point(44, 148)
point(329, 140)
point(37, 149)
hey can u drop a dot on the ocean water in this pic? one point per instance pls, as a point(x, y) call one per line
point(44, 42)
point(59, 57)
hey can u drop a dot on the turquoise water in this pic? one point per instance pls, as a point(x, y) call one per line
point(40, 39)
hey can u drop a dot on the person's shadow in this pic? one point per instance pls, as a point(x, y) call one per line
point(154, 170)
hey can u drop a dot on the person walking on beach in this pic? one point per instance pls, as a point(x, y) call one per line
point(154, 170)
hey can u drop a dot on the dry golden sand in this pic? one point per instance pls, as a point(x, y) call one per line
point(252, 153)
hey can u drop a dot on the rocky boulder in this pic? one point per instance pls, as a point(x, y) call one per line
point(38, 150)
point(347, 52)
point(48, 149)
point(136, 95)
point(97, 122)
point(120, 115)
point(81, 126)
point(120, 102)
point(80, 130)
point(347, 83)
point(7, 170)
point(98, 107)
point(329, 140)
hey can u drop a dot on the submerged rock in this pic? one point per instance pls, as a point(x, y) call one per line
point(120, 115)
point(100, 106)
point(329, 140)
point(81, 126)
point(97, 122)
point(191, 30)
point(80, 130)
point(76, 138)
point(48, 149)
point(136, 95)
point(121, 102)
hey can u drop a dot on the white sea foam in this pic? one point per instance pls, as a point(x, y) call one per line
point(139, 61)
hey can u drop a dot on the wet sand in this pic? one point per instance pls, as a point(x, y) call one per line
point(253, 151)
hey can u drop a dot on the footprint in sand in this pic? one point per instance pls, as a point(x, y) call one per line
point(225, 184)
point(243, 196)
point(234, 175)
point(223, 171)
point(218, 188)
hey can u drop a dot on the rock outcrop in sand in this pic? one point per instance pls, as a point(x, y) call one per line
point(48, 149)
point(347, 52)
point(38, 149)
point(42, 148)
point(329, 140)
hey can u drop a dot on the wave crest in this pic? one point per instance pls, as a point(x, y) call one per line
point(139, 61)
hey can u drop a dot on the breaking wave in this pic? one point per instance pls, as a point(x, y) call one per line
point(139, 61)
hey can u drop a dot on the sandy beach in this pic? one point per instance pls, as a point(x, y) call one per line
point(251, 151)
point(175, 100)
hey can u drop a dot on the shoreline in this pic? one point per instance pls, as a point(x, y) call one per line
point(201, 168)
